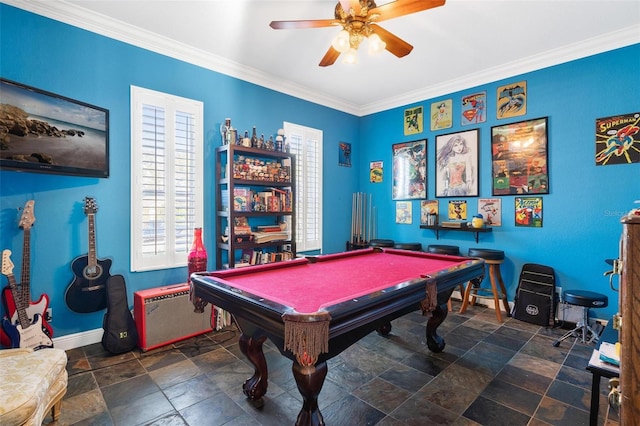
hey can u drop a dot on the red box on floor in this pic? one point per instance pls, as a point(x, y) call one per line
point(164, 315)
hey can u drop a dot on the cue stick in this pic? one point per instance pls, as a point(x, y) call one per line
point(353, 201)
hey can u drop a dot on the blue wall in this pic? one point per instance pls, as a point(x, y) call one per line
point(581, 214)
point(81, 65)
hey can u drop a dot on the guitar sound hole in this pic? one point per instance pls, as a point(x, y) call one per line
point(92, 272)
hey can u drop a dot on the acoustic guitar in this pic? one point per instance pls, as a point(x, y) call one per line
point(88, 290)
point(24, 333)
point(27, 219)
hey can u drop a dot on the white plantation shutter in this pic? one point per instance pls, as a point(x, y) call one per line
point(166, 178)
point(306, 144)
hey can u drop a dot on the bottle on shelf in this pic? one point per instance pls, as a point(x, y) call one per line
point(197, 259)
point(254, 138)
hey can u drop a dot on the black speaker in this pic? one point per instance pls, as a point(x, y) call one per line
point(165, 315)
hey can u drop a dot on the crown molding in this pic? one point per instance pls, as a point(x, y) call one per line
point(109, 27)
point(614, 40)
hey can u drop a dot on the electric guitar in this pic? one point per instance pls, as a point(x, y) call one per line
point(40, 307)
point(23, 333)
point(88, 290)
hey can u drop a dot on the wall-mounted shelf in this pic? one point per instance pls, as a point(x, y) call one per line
point(438, 228)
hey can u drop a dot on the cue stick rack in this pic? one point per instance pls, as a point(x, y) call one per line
point(363, 221)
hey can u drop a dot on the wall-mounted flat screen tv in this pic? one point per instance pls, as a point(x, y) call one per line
point(49, 133)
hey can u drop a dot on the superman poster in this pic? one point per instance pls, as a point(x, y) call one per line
point(473, 108)
point(618, 140)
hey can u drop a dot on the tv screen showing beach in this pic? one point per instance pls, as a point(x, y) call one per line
point(45, 132)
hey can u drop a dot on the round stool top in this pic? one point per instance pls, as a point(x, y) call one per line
point(408, 246)
point(443, 249)
point(586, 298)
point(381, 243)
point(487, 254)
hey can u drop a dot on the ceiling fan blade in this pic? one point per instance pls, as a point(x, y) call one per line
point(395, 44)
point(330, 57)
point(311, 23)
point(404, 7)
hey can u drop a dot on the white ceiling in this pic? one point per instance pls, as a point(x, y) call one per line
point(459, 45)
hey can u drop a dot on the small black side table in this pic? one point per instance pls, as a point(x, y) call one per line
point(601, 369)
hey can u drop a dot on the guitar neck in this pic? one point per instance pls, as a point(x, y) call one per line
point(26, 267)
point(92, 257)
point(23, 318)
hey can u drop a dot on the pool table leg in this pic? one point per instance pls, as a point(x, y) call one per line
point(309, 381)
point(438, 315)
point(256, 386)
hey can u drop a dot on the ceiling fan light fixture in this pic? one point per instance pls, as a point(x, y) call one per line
point(376, 45)
point(350, 57)
point(341, 42)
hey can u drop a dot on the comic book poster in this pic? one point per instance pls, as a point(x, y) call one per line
point(344, 154)
point(428, 212)
point(617, 139)
point(491, 210)
point(473, 108)
point(528, 212)
point(512, 100)
point(457, 209)
point(519, 158)
point(409, 170)
point(403, 212)
point(375, 171)
point(441, 115)
point(413, 119)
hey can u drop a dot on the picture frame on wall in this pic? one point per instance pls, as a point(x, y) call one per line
point(441, 115)
point(519, 157)
point(457, 164)
point(512, 100)
point(409, 168)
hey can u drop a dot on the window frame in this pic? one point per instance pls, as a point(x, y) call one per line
point(173, 256)
point(307, 135)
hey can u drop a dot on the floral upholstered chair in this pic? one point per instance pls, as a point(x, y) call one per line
point(31, 384)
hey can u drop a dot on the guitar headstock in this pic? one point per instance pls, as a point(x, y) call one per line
point(7, 264)
point(27, 219)
point(90, 206)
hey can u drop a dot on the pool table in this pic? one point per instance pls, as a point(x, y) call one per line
point(314, 308)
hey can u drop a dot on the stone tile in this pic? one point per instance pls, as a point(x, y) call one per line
point(118, 372)
point(382, 395)
point(540, 366)
point(80, 383)
point(191, 391)
point(570, 394)
point(157, 359)
point(512, 396)
point(89, 405)
point(418, 412)
point(351, 411)
point(406, 378)
point(141, 410)
point(488, 412)
point(175, 373)
point(560, 414)
point(525, 378)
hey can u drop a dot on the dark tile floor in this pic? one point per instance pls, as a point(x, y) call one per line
point(489, 374)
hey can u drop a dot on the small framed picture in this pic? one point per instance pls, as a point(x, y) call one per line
point(344, 154)
point(457, 164)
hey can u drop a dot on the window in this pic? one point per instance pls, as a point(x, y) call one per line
point(306, 144)
point(166, 178)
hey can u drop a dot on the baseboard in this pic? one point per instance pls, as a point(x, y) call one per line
point(76, 340)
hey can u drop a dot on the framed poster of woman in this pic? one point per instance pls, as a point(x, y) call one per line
point(457, 164)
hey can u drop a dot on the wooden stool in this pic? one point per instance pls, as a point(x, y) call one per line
point(493, 259)
point(445, 249)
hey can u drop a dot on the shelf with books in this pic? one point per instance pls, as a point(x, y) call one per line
point(255, 192)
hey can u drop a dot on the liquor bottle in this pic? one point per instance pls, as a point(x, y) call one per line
point(254, 138)
point(197, 259)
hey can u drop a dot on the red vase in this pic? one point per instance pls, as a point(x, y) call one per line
point(197, 259)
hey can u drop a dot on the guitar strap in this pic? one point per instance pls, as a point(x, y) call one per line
point(120, 334)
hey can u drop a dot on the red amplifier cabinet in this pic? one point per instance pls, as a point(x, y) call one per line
point(164, 315)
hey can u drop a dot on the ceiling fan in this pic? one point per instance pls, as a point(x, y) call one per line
point(358, 21)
